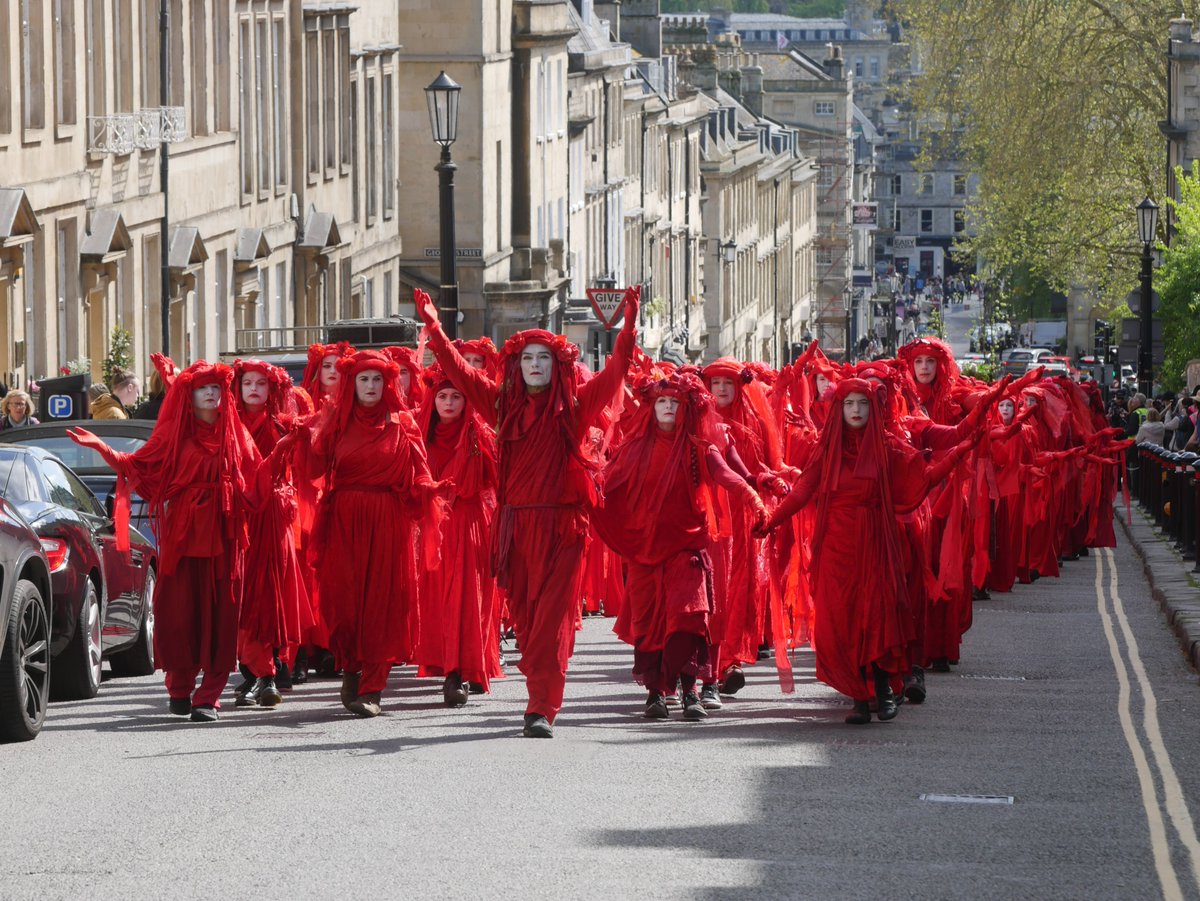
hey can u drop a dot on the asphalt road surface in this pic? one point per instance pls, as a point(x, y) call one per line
point(1072, 699)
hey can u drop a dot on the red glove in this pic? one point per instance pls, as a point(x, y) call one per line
point(633, 302)
point(87, 439)
point(425, 308)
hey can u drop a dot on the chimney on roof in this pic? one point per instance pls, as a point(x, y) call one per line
point(833, 62)
point(752, 86)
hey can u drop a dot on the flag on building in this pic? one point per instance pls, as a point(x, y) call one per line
point(781, 40)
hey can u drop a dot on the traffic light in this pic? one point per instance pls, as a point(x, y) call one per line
point(1101, 341)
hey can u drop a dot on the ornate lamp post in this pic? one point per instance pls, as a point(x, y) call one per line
point(442, 97)
point(1147, 213)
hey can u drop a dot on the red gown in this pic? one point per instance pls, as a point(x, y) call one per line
point(275, 610)
point(545, 488)
point(365, 538)
point(460, 607)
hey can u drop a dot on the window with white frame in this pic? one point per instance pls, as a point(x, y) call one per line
point(823, 107)
point(33, 65)
point(960, 185)
point(926, 222)
point(369, 151)
point(389, 148)
point(246, 104)
point(263, 105)
point(199, 73)
point(897, 185)
point(279, 100)
point(927, 184)
point(960, 221)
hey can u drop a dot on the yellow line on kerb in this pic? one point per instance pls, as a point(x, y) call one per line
point(1154, 819)
point(1176, 803)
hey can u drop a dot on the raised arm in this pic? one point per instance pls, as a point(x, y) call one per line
point(599, 392)
point(479, 390)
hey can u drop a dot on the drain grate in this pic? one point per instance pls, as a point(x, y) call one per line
point(987, 678)
point(1005, 800)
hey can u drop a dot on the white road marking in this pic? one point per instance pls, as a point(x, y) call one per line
point(1159, 846)
point(1177, 809)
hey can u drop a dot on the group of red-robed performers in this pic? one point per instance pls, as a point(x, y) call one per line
point(400, 514)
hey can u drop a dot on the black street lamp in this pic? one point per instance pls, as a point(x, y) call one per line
point(442, 98)
point(1147, 213)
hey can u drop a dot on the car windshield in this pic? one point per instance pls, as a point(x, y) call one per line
point(1020, 355)
point(83, 458)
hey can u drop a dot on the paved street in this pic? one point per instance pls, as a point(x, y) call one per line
point(773, 794)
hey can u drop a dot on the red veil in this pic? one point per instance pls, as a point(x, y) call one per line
point(311, 380)
point(937, 397)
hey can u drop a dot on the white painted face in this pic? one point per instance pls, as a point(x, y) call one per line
point(207, 397)
point(255, 390)
point(449, 404)
point(822, 384)
point(536, 365)
point(368, 387)
point(723, 390)
point(1007, 409)
point(925, 369)
point(856, 410)
point(666, 411)
point(474, 360)
point(405, 380)
point(329, 373)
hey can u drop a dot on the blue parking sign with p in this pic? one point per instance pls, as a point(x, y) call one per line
point(60, 406)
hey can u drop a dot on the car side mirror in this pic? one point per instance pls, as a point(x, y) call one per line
point(109, 505)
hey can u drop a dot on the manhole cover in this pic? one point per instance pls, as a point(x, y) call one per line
point(968, 799)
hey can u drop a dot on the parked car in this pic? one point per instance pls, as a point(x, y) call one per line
point(1021, 359)
point(101, 596)
point(24, 628)
point(125, 435)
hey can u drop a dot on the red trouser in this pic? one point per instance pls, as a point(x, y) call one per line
point(256, 654)
point(182, 683)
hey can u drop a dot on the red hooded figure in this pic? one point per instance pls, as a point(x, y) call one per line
point(660, 512)
point(862, 478)
point(412, 389)
point(546, 485)
point(377, 490)
point(275, 607)
point(197, 473)
point(460, 607)
point(753, 449)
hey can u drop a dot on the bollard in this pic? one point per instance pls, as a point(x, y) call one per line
point(1137, 482)
point(1196, 514)
point(1158, 494)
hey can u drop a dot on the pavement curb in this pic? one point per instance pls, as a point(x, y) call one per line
point(1172, 583)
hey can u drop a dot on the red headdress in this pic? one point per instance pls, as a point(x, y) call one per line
point(406, 358)
point(281, 400)
point(346, 407)
point(750, 413)
point(462, 452)
point(311, 380)
point(485, 348)
point(937, 397)
point(563, 377)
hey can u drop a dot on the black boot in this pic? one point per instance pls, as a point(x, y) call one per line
point(883, 695)
point(249, 697)
point(454, 693)
point(940, 665)
point(283, 675)
point(300, 667)
point(914, 686)
point(656, 707)
point(860, 715)
point(266, 693)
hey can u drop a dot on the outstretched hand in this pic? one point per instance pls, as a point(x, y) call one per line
point(633, 302)
point(87, 439)
point(425, 308)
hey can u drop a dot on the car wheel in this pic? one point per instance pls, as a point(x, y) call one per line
point(25, 666)
point(139, 659)
point(77, 669)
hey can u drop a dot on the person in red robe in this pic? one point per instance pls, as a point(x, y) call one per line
point(412, 388)
point(741, 576)
point(367, 448)
point(460, 609)
point(197, 473)
point(480, 353)
point(545, 487)
point(861, 478)
point(275, 608)
point(660, 509)
point(320, 384)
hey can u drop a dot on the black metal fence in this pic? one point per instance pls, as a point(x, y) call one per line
point(1167, 486)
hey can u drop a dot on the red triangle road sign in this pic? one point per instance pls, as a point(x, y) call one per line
point(608, 304)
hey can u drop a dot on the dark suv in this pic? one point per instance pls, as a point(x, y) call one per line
point(24, 628)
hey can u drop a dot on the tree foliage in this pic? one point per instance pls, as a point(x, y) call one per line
point(1055, 103)
point(119, 353)
point(1178, 283)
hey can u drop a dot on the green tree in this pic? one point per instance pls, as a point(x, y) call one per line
point(1178, 283)
point(119, 355)
point(1055, 104)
